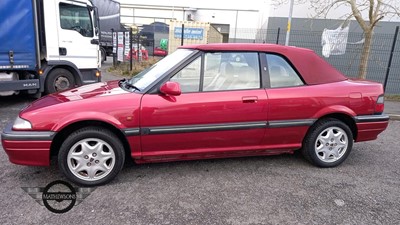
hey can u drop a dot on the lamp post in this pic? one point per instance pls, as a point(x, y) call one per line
point(289, 24)
point(236, 21)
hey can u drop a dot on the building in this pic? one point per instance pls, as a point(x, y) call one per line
point(265, 21)
point(230, 19)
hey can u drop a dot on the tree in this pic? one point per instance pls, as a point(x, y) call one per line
point(367, 13)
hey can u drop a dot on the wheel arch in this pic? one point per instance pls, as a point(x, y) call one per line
point(69, 129)
point(343, 117)
point(64, 65)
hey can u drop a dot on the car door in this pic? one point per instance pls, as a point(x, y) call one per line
point(77, 38)
point(291, 104)
point(222, 108)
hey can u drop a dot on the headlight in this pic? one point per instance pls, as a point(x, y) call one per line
point(21, 124)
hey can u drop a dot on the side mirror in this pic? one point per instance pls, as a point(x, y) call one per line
point(171, 88)
point(94, 41)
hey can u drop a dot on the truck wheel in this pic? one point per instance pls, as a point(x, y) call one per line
point(59, 80)
point(103, 55)
point(91, 156)
point(328, 143)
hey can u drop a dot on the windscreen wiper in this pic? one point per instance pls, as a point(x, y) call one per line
point(128, 85)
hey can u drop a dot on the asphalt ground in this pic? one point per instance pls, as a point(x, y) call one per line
point(282, 189)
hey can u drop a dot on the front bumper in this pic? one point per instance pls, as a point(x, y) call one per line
point(369, 127)
point(30, 148)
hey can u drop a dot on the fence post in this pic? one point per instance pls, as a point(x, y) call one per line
point(266, 36)
point(277, 36)
point(391, 58)
point(114, 53)
point(236, 21)
point(138, 47)
point(130, 48)
point(153, 45)
point(182, 34)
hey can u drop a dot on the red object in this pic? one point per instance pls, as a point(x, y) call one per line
point(134, 54)
point(32, 153)
point(199, 125)
point(160, 52)
point(171, 88)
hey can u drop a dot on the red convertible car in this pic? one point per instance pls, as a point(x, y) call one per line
point(200, 102)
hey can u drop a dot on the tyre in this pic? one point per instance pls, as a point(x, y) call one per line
point(59, 80)
point(91, 156)
point(328, 143)
point(103, 55)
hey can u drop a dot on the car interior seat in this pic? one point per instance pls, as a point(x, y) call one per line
point(226, 71)
point(247, 78)
point(279, 77)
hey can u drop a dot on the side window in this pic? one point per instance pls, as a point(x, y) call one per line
point(189, 77)
point(231, 71)
point(73, 17)
point(281, 74)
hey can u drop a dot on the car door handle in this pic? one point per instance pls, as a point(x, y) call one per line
point(249, 99)
point(94, 41)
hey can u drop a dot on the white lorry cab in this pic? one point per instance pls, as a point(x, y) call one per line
point(48, 45)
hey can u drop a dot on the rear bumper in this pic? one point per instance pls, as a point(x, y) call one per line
point(30, 148)
point(369, 127)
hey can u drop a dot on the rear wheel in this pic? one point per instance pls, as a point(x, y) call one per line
point(91, 156)
point(328, 143)
point(59, 80)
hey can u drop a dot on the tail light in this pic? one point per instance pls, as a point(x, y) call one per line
point(380, 105)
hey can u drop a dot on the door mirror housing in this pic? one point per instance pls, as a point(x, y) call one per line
point(171, 88)
point(94, 41)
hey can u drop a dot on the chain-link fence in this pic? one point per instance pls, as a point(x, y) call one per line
point(348, 63)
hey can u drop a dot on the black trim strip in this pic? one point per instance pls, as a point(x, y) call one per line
point(131, 131)
point(9, 134)
point(205, 128)
point(291, 123)
point(371, 118)
point(217, 127)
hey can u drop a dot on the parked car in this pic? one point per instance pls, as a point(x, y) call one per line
point(200, 102)
point(160, 52)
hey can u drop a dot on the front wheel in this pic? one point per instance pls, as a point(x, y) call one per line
point(91, 156)
point(59, 80)
point(328, 143)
